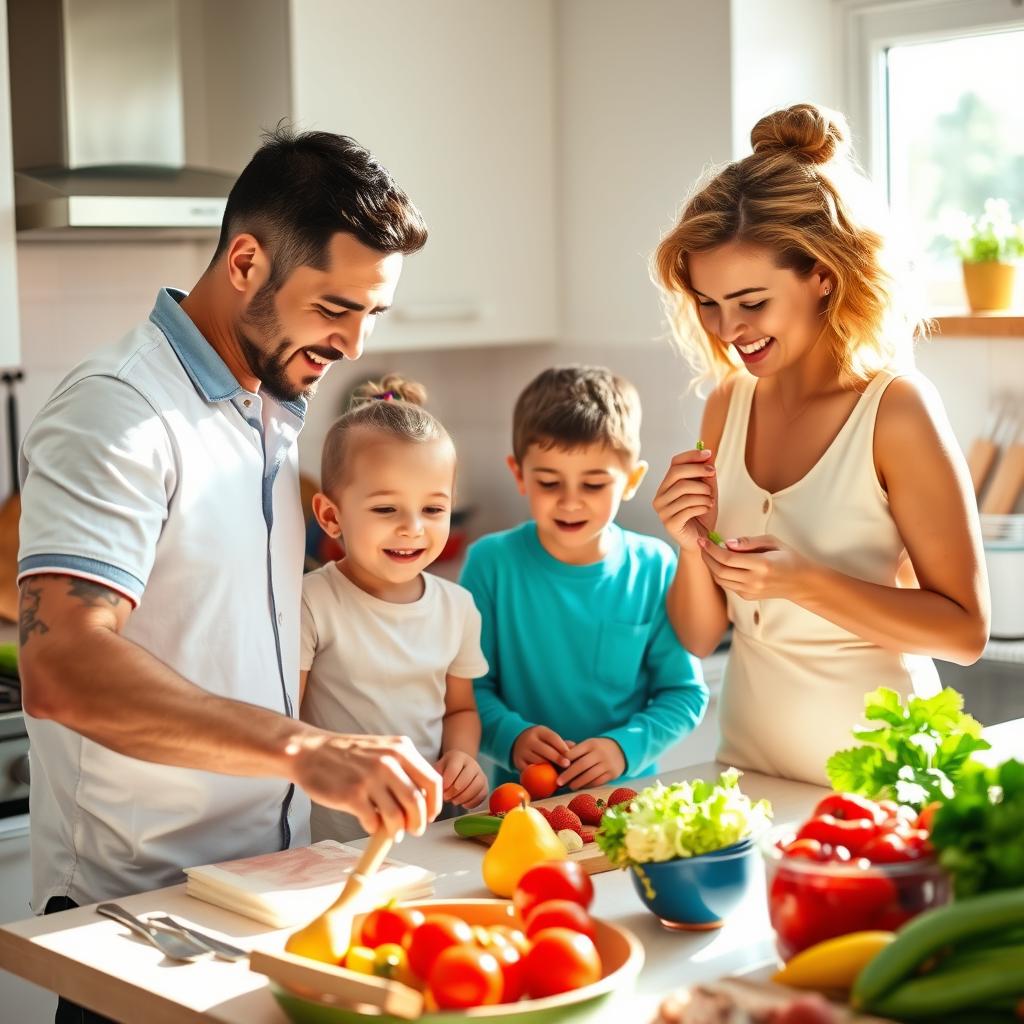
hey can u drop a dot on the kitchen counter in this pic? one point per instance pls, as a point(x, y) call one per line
point(93, 961)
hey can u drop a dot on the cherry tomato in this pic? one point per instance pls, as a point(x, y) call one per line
point(560, 960)
point(390, 924)
point(887, 848)
point(506, 797)
point(852, 833)
point(926, 818)
point(919, 840)
point(465, 976)
point(553, 880)
point(511, 960)
point(539, 780)
point(437, 933)
point(849, 807)
point(559, 914)
point(806, 849)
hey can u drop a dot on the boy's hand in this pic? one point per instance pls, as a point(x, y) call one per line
point(463, 779)
point(539, 743)
point(688, 493)
point(594, 762)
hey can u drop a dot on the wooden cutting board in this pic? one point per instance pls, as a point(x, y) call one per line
point(593, 860)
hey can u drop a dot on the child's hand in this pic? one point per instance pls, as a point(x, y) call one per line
point(594, 762)
point(539, 743)
point(463, 779)
point(688, 493)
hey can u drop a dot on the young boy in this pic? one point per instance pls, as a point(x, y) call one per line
point(585, 670)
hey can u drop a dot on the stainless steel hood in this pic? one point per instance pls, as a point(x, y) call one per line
point(98, 119)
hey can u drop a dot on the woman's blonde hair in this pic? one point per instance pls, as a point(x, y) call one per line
point(392, 406)
point(799, 195)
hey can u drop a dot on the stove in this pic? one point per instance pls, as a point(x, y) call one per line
point(13, 750)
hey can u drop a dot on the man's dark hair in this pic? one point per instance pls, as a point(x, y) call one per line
point(299, 190)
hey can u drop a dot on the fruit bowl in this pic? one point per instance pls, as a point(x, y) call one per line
point(621, 953)
point(696, 893)
point(811, 900)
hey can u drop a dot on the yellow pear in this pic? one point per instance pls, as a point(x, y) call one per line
point(523, 840)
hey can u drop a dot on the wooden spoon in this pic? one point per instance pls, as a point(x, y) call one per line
point(327, 938)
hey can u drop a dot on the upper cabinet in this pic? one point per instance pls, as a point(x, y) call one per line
point(457, 99)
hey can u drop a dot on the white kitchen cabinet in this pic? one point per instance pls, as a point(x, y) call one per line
point(457, 99)
point(10, 344)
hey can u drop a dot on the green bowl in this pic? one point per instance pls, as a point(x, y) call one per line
point(622, 956)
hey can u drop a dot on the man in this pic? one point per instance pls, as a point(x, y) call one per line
point(161, 550)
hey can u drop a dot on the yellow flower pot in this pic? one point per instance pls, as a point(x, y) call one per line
point(989, 285)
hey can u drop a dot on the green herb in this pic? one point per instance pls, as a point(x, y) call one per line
point(914, 753)
point(980, 832)
point(715, 538)
point(992, 237)
point(681, 820)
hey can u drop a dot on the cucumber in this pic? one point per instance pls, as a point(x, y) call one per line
point(931, 932)
point(470, 825)
point(948, 990)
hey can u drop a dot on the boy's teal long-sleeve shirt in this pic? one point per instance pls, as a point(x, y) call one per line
point(586, 650)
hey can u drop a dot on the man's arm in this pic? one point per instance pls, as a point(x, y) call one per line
point(77, 669)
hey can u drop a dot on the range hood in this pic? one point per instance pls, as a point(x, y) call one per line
point(98, 120)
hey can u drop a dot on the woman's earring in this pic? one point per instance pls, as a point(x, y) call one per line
point(827, 289)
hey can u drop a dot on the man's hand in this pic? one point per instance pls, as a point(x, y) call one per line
point(382, 780)
point(594, 762)
point(539, 743)
point(463, 780)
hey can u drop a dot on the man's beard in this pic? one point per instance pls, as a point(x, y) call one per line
point(269, 368)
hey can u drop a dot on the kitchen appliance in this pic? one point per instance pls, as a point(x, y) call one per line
point(1003, 538)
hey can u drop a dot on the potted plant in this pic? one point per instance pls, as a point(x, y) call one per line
point(988, 246)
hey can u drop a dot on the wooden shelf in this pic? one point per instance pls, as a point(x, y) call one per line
point(1003, 324)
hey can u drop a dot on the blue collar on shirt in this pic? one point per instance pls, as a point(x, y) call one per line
point(207, 371)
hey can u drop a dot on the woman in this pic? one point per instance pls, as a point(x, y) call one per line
point(856, 554)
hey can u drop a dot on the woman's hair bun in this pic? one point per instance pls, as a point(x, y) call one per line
point(808, 132)
point(390, 388)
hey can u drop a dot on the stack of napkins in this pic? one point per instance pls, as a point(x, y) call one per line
point(293, 886)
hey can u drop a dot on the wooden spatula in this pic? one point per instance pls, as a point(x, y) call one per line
point(982, 454)
point(326, 938)
point(1000, 497)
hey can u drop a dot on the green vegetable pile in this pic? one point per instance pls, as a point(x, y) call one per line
point(913, 753)
point(979, 833)
point(681, 820)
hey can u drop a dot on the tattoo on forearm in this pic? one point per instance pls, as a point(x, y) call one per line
point(28, 612)
point(94, 595)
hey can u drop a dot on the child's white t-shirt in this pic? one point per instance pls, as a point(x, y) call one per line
point(379, 667)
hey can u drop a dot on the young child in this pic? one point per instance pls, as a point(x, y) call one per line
point(386, 648)
point(585, 670)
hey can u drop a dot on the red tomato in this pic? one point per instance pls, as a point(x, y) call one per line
point(437, 933)
point(513, 969)
point(849, 807)
point(559, 914)
point(390, 924)
point(926, 818)
point(539, 780)
point(805, 849)
point(506, 797)
point(560, 960)
point(852, 833)
point(887, 848)
point(919, 840)
point(553, 880)
point(465, 976)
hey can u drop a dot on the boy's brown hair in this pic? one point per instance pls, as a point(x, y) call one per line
point(573, 406)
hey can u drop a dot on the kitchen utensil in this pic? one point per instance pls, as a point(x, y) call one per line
point(327, 936)
point(173, 946)
point(983, 451)
point(1003, 538)
point(1001, 495)
point(220, 948)
point(10, 512)
point(306, 1001)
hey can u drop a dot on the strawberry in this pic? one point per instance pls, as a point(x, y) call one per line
point(621, 796)
point(544, 811)
point(587, 835)
point(589, 809)
point(562, 817)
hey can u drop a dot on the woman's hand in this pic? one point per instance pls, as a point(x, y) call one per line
point(688, 495)
point(755, 568)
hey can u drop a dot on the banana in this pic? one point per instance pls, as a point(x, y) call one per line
point(834, 963)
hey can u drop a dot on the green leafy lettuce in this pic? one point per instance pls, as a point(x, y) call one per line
point(980, 832)
point(912, 753)
point(681, 820)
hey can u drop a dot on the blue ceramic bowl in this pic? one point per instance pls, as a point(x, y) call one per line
point(697, 893)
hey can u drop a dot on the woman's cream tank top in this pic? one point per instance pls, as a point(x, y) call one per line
point(795, 682)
